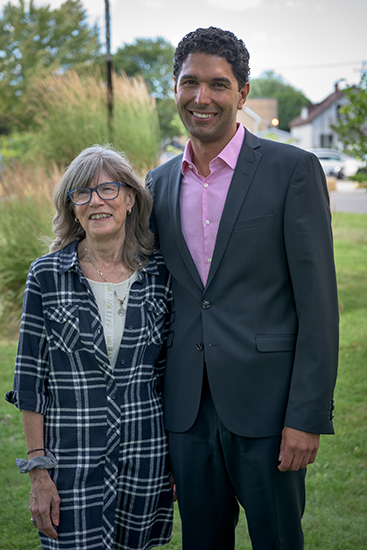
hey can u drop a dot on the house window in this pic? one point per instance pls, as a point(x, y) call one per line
point(326, 141)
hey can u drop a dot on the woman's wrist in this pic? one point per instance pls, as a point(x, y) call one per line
point(44, 462)
point(36, 452)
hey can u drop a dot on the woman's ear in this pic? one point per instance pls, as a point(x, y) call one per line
point(130, 199)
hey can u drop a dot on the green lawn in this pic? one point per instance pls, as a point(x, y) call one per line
point(336, 513)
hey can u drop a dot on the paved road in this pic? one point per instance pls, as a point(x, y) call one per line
point(347, 198)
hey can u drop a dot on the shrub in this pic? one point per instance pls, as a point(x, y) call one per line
point(25, 230)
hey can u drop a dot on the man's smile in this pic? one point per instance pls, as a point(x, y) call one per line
point(203, 115)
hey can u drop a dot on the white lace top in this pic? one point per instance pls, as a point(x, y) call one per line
point(113, 323)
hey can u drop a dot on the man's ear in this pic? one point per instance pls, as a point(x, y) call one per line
point(244, 91)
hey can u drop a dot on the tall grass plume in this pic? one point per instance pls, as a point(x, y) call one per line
point(25, 232)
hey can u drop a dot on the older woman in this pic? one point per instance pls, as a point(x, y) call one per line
point(89, 366)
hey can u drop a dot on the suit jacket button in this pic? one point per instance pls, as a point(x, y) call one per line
point(199, 346)
point(205, 304)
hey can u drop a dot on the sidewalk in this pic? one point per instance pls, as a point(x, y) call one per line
point(347, 198)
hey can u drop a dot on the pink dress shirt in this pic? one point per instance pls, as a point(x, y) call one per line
point(202, 200)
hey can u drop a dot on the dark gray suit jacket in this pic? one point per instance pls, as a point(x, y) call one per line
point(267, 320)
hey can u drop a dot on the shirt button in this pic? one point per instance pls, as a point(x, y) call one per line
point(190, 166)
point(199, 346)
point(207, 222)
point(109, 305)
point(108, 324)
point(109, 288)
point(209, 260)
point(206, 185)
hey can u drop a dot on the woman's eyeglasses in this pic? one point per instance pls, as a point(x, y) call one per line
point(106, 191)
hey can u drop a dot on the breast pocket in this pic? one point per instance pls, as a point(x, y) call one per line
point(156, 313)
point(62, 326)
point(259, 221)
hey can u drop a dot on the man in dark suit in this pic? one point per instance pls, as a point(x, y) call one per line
point(244, 226)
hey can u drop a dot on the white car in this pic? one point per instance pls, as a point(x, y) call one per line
point(337, 164)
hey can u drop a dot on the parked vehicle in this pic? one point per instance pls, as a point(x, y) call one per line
point(337, 164)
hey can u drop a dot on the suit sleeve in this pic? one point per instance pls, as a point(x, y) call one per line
point(309, 246)
point(152, 223)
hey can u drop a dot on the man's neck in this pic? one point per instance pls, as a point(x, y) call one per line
point(203, 153)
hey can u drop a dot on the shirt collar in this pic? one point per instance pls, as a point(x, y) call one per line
point(229, 154)
point(69, 257)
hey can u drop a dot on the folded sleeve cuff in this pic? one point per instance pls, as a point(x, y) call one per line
point(27, 401)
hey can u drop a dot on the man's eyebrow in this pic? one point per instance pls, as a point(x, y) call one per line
point(190, 76)
point(222, 79)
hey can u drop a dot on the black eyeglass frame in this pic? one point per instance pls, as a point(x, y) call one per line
point(91, 189)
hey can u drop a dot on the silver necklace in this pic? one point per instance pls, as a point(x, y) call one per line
point(122, 310)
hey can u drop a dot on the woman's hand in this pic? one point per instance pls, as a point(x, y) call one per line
point(44, 502)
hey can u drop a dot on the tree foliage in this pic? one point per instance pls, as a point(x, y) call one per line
point(152, 58)
point(290, 100)
point(352, 123)
point(33, 39)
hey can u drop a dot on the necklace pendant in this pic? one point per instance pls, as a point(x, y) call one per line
point(121, 311)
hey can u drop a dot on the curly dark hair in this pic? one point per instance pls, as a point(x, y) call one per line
point(215, 41)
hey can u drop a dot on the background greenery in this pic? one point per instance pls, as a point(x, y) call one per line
point(336, 511)
point(40, 40)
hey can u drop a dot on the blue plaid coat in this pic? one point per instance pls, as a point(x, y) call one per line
point(104, 426)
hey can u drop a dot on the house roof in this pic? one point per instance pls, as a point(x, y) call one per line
point(251, 113)
point(313, 111)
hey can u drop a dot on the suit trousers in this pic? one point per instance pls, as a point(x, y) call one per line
point(215, 470)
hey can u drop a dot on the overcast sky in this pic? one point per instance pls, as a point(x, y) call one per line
point(311, 43)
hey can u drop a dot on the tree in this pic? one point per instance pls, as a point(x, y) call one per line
point(352, 122)
point(152, 58)
point(290, 100)
point(34, 39)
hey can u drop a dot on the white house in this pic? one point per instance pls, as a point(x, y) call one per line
point(249, 118)
point(313, 127)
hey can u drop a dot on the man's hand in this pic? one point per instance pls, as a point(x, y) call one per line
point(297, 449)
point(173, 485)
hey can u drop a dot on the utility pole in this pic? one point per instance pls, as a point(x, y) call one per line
point(109, 72)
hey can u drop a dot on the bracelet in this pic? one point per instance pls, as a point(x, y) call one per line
point(46, 462)
point(34, 450)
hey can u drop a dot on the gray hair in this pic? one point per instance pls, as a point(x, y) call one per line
point(83, 171)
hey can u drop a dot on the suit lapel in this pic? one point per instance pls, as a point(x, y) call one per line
point(175, 216)
point(241, 181)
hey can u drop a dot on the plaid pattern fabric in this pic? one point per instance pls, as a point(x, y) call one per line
point(104, 426)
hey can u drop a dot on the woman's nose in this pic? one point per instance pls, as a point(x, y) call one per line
point(95, 198)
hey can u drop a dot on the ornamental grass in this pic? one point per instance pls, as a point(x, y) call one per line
point(70, 112)
point(25, 230)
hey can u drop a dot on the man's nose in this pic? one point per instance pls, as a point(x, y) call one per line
point(202, 95)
